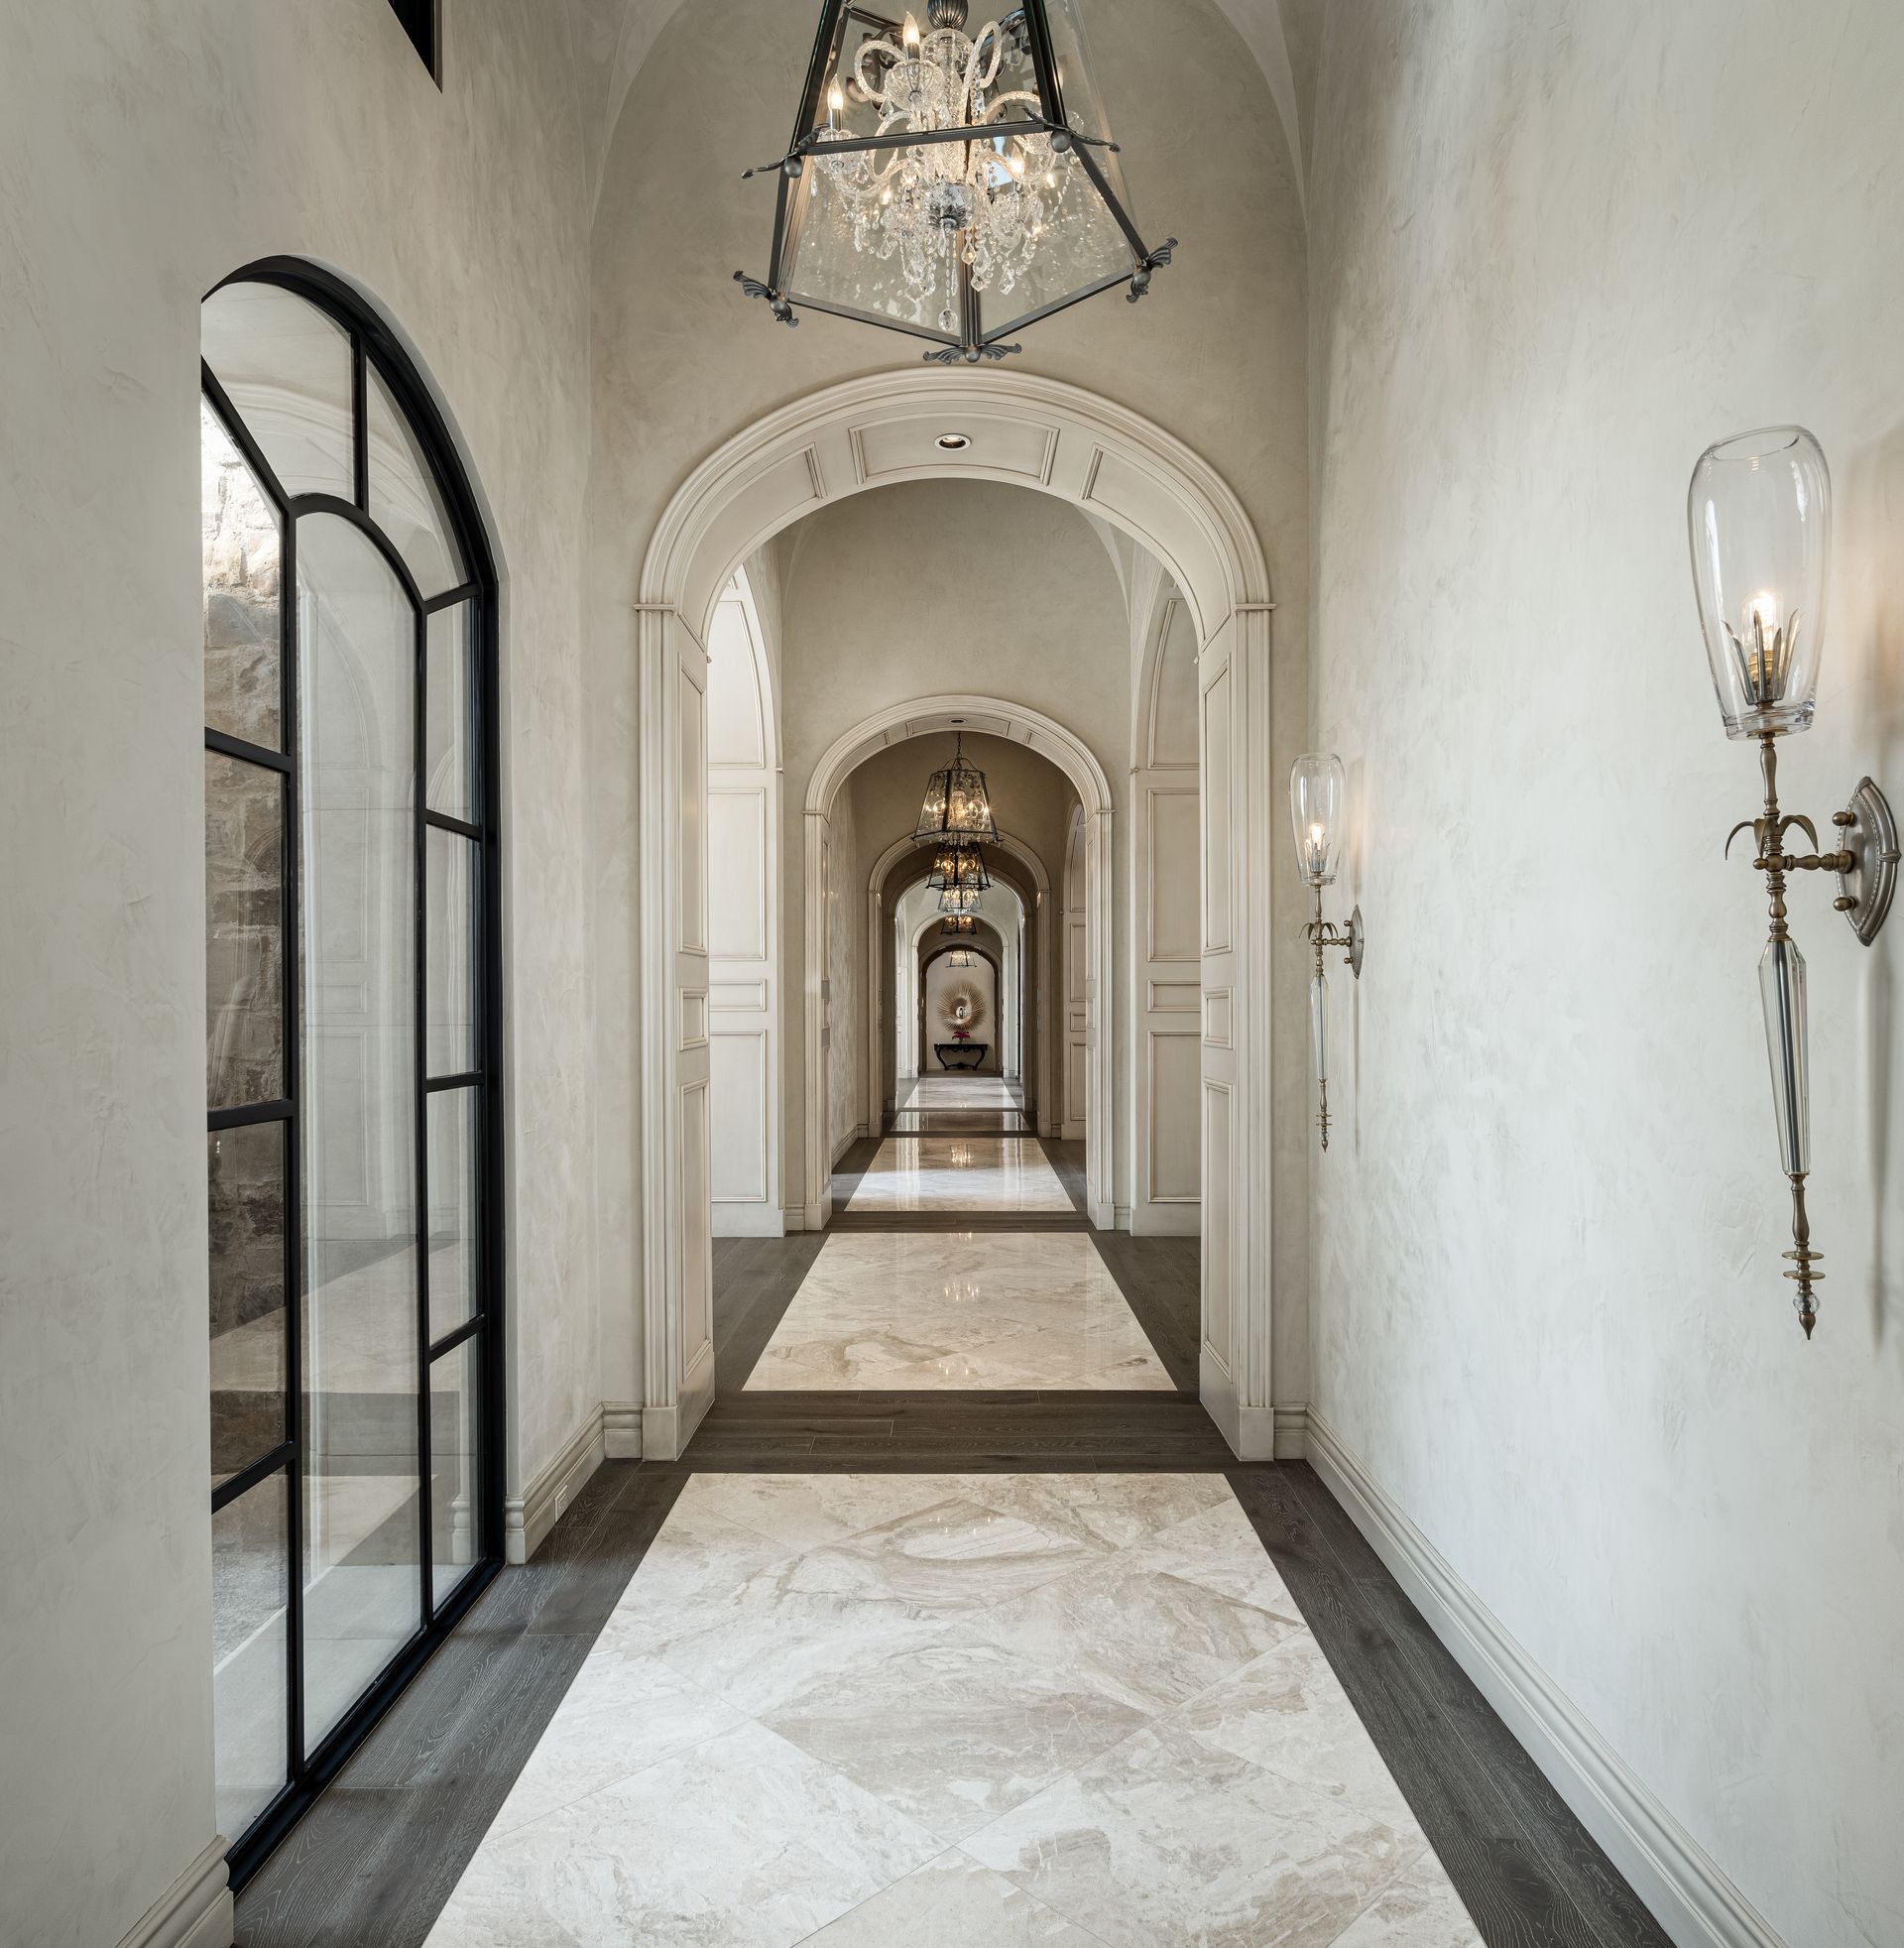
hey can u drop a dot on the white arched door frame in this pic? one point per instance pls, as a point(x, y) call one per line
point(918, 717)
point(1035, 433)
point(1037, 948)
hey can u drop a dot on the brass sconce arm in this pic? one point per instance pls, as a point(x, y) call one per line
point(1326, 936)
point(1865, 863)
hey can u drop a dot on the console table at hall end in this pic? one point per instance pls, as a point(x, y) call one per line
point(961, 1055)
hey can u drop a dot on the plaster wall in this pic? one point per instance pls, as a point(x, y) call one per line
point(683, 361)
point(144, 152)
point(1559, 248)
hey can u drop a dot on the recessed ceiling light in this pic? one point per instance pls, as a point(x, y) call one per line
point(953, 443)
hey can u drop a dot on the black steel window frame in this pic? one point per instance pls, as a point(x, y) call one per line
point(375, 346)
point(423, 23)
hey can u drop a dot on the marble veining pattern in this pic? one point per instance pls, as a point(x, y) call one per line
point(955, 1712)
point(959, 1172)
point(914, 1311)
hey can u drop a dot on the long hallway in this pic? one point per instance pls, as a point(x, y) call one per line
point(956, 1627)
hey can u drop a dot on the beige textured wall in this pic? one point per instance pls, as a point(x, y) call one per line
point(146, 152)
point(1560, 247)
point(1217, 354)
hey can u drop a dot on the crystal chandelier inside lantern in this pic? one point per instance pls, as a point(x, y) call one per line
point(952, 184)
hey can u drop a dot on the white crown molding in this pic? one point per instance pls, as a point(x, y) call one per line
point(195, 1912)
point(1686, 1889)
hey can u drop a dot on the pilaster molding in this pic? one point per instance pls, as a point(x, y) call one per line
point(195, 1912)
point(1686, 1889)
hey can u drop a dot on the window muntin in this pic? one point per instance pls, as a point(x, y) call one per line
point(349, 672)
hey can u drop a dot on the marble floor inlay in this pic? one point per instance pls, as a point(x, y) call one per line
point(959, 1172)
point(979, 1711)
point(906, 1310)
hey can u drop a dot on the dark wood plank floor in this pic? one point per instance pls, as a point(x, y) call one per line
point(377, 1858)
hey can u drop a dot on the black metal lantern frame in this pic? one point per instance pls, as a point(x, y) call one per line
point(960, 924)
point(1043, 108)
point(958, 863)
point(957, 806)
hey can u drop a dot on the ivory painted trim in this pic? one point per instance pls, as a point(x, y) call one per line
point(195, 1912)
point(1687, 1891)
point(527, 1519)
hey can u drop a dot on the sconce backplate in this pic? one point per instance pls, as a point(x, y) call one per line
point(1868, 830)
point(1354, 929)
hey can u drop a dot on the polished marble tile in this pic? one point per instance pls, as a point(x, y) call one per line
point(953, 1902)
point(1288, 1714)
point(899, 1312)
point(948, 1091)
point(1164, 1840)
point(1094, 1685)
point(741, 1840)
point(1419, 1909)
point(998, 1174)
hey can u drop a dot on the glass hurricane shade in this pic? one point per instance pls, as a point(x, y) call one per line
point(951, 183)
point(957, 806)
point(1758, 514)
point(1316, 794)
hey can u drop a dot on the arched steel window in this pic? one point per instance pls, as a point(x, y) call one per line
point(352, 1035)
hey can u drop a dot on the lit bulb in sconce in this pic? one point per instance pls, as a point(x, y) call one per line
point(1316, 791)
point(835, 106)
point(911, 36)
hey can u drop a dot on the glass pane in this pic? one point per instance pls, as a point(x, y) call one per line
point(250, 1584)
point(1079, 245)
point(454, 1286)
point(246, 1170)
point(285, 367)
point(244, 932)
point(451, 724)
point(404, 500)
point(362, 1577)
point(452, 942)
point(242, 556)
point(454, 1526)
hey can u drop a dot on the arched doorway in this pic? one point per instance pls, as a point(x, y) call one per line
point(1050, 438)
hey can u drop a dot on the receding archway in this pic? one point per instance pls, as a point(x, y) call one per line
point(1051, 438)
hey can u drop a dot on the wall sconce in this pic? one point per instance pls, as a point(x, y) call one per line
point(1315, 812)
point(1759, 514)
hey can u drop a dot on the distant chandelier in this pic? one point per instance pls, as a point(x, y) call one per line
point(960, 900)
point(958, 957)
point(959, 924)
point(957, 806)
point(930, 172)
point(957, 864)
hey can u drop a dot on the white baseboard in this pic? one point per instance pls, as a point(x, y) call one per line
point(620, 1431)
point(1291, 1435)
point(751, 1220)
point(528, 1520)
point(847, 1141)
point(195, 1912)
point(1689, 1894)
point(1254, 1438)
point(1121, 1217)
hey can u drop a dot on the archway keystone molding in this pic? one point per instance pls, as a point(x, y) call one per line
point(1049, 437)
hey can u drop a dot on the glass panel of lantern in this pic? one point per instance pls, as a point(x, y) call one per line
point(960, 900)
point(945, 237)
point(958, 865)
point(957, 804)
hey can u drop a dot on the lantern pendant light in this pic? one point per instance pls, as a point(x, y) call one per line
point(952, 185)
point(957, 806)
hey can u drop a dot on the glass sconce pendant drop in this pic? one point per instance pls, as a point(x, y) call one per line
point(953, 185)
point(957, 806)
point(1316, 794)
point(1759, 521)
